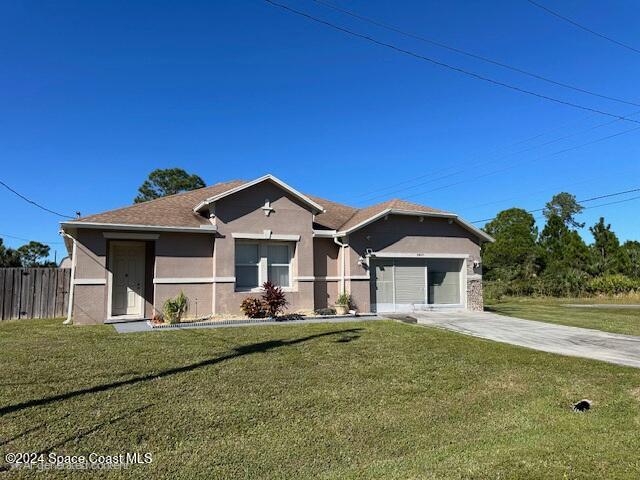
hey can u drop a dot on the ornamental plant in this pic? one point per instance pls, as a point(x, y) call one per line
point(273, 299)
point(344, 299)
point(253, 307)
point(175, 308)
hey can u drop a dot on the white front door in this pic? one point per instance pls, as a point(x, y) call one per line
point(128, 279)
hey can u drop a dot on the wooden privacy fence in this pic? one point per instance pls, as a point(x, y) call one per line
point(34, 292)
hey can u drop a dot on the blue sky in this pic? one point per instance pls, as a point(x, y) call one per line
point(93, 96)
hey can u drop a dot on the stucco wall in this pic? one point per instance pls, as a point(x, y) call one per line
point(184, 255)
point(325, 270)
point(243, 213)
point(171, 255)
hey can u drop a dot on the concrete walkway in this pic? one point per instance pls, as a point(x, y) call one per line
point(573, 341)
point(143, 326)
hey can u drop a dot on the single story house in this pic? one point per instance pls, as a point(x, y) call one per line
point(218, 244)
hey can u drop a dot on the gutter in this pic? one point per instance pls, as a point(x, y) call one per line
point(210, 229)
point(343, 247)
point(74, 261)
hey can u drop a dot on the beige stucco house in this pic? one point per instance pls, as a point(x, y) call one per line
point(218, 244)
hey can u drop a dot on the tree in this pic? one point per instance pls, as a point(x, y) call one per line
point(631, 255)
point(8, 256)
point(163, 182)
point(563, 249)
point(606, 248)
point(33, 254)
point(514, 254)
point(566, 207)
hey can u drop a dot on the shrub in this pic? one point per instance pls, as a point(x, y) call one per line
point(612, 285)
point(174, 308)
point(253, 308)
point(273, 299)
point(344, 299)
point(326, 311)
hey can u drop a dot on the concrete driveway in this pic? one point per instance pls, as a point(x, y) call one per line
point(573, 341)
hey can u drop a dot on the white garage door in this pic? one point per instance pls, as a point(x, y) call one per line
point(407, 284)
point(399, 285)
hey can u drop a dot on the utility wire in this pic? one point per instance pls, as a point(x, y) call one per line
point(586, 200)
point(28, 200)
point(445, 65)
point(484, 163)
point(513, 165)
point(28, 240)
point(392, 28)
point(586, 29)
point(505, 155)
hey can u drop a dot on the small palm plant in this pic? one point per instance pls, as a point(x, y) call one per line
point(175, 308)
point(342, 303)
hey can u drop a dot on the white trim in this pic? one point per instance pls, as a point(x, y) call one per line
point(131, 236)
point(416, 213)
point(177, 280)
point(90, 281)
point(358, 277)
point(463, 283)
point(418, 255)
point(324, 233)
point(264, 178)
point(224, 279)
point(123, 226)
point(319, 278)
point(266, 235)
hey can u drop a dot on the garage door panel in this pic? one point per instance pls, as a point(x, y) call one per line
point(410, 282)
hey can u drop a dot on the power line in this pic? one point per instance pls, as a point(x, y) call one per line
point(392, 28)
point(430, 174)
point(586, 200)
point(29, 240)
point(483, 163)
point(32, 202)
point(513, 165)
point(445, 65)
point(534, 193)
point(586, 29)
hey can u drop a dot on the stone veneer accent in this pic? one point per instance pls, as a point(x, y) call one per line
point(475, 300)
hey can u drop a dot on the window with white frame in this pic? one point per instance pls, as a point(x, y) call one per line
point(257, 262)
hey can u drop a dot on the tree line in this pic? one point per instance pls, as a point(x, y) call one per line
point(557, 261)
point(32, 254)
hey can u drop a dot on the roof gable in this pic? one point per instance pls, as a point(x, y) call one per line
point(316, 207)
point(366, 216)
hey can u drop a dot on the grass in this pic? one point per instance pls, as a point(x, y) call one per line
point(615, 320)
point(332, 401)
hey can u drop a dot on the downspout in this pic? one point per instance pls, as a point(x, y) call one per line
point(68, 321)
point(342, 263)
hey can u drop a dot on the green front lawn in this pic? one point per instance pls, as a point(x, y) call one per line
point(357, 400)
point(616, 320)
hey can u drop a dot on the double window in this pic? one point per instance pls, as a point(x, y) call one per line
point(257, 262)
